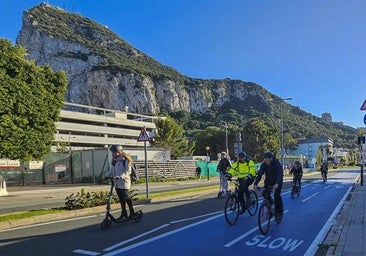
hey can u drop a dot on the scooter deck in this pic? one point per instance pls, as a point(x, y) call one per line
point(138, 215)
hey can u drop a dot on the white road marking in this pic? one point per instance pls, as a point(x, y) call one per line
point(246, 234)
point(304, 200)
point(161, 236)
point(321, 235)
point(134, 238)
point(84, 252)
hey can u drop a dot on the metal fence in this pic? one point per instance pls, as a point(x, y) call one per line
point(89, 166)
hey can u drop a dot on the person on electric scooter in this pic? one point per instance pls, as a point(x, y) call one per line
point(273, 171)
point(244, 168)
point(296, 171)
point(120, 171)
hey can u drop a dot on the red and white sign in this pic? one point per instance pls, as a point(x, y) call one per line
point(143, 135)
point(7, 163)
point(60, 167)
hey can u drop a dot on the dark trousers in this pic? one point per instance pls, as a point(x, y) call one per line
point(297, 177)
point(243, 189)
point(124, 198)
point(277, 198)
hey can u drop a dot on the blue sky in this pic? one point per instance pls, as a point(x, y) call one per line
point(313, 51)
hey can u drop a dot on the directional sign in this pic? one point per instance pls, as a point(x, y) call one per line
point(363, 107)
point(143, 135)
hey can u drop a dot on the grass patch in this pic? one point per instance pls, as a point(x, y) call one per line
point(177, 192)
point(21, 215)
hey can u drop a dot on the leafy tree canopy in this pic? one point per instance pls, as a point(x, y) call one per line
point(170, 135)
point(30, 101)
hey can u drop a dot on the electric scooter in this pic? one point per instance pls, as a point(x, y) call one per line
point(109, 218)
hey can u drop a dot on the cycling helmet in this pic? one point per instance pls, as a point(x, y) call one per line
point(268, 155)
point(242, 154)
point(223, 153)
point(116, 148)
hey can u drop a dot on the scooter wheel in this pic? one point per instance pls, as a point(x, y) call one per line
point(106, 224)
point(138, 217)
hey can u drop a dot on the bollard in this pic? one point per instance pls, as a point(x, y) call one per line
point(3, 191)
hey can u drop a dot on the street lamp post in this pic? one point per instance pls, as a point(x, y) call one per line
point(226, 140)
point(282, 151)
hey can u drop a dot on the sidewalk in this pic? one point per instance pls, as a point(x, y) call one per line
point(347, 237)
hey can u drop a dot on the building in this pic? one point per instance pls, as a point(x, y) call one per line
point(86, 127)
point(309, 148)
point(327, 117)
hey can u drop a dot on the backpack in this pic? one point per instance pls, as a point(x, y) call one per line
point(134, 176)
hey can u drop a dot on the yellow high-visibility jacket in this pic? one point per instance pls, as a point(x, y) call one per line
point(242, 169)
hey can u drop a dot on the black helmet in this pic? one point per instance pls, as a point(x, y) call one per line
point(242, 154)
point(116, 148)
point(268, 155)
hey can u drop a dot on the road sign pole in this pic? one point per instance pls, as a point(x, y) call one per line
point(146, 172)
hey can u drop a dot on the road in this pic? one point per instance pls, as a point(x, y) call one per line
point(191, 226)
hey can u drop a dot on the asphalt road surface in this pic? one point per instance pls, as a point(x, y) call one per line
point(191, 226)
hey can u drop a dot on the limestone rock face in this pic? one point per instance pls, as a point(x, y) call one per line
point(88, 55)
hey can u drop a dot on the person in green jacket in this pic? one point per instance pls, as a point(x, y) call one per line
point(245, 170)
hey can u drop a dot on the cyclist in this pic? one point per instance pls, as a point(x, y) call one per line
point(223, 166)
point(273, 171)
point(324, 170)
point(244, 168)
point(296, 172)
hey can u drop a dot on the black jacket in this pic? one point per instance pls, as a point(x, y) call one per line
point(223, 165)
point(273, 172)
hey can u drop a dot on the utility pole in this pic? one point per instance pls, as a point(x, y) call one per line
point(282, 151)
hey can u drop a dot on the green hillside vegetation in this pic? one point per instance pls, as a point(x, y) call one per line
point(120, 56)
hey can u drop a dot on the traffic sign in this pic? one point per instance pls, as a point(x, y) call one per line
point(364, 119)
point(363, 107)
point(143, 135)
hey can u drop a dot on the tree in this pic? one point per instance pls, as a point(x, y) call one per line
point(30, 101)
point(259, 138)
point(170, 135)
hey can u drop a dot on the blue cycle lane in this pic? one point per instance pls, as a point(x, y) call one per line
point(305, 223)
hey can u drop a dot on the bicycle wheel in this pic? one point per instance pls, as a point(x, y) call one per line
point(298, 190)
point(232, 208)
point(253, 203)
point(264, 217)
point(293, 191)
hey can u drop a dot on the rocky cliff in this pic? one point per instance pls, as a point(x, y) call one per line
point(105, 71)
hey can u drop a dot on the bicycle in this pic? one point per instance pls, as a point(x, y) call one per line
point(233, 206)
point(266, 211)
point(296, 189)
point(324, 176)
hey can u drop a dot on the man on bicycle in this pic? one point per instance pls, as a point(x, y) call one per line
point(324, 170)
point(273, 171)
point(296, 172)
point(244, 168)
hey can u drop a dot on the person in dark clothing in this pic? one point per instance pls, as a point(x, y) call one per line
point(223, 166)
point(273, 171)
point(296, 171)
point(324, 170)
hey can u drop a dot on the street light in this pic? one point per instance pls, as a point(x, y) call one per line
point(226, 140)
point(282, 151)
